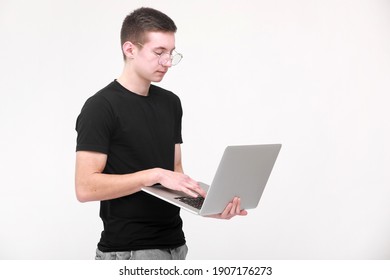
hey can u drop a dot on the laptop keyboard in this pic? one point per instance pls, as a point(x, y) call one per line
point(195, 202)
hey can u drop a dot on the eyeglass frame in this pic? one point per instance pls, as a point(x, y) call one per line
point(171, 56)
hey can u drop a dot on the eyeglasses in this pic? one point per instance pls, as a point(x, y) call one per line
point(163, 58)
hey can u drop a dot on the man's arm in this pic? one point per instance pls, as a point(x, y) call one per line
point(178, 164)
point(92, 185)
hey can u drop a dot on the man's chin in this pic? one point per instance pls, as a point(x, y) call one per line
point(157, 79)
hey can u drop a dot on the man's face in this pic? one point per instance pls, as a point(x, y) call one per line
point(148, 57)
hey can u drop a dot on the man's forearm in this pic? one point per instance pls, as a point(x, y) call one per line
point(99, 186)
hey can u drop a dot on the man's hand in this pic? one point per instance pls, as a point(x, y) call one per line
point(232, 209)
point(180, 182)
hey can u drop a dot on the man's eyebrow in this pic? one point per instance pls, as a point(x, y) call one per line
point(163, 48)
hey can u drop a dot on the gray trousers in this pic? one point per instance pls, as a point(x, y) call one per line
point(178, 253)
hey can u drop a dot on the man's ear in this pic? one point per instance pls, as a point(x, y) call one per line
point(128, 49)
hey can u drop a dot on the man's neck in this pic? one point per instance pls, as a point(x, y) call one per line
point(134, 83)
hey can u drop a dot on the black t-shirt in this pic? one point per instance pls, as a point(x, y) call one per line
point(137, 133)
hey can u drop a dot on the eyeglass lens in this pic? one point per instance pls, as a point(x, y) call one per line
point(175, 58)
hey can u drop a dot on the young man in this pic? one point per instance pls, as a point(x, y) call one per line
point(129, 136)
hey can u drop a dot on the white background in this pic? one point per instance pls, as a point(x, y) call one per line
point(312, 75)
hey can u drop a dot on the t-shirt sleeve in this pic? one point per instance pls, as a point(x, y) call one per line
point(179, 115)
point(94, 125)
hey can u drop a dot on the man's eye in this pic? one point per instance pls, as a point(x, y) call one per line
point(158, 53)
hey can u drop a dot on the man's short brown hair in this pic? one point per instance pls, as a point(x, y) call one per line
point(143, 20)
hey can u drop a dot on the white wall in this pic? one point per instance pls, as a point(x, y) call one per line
point(312, 75)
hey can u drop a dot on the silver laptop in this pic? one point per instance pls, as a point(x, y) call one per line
point(243, 172)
